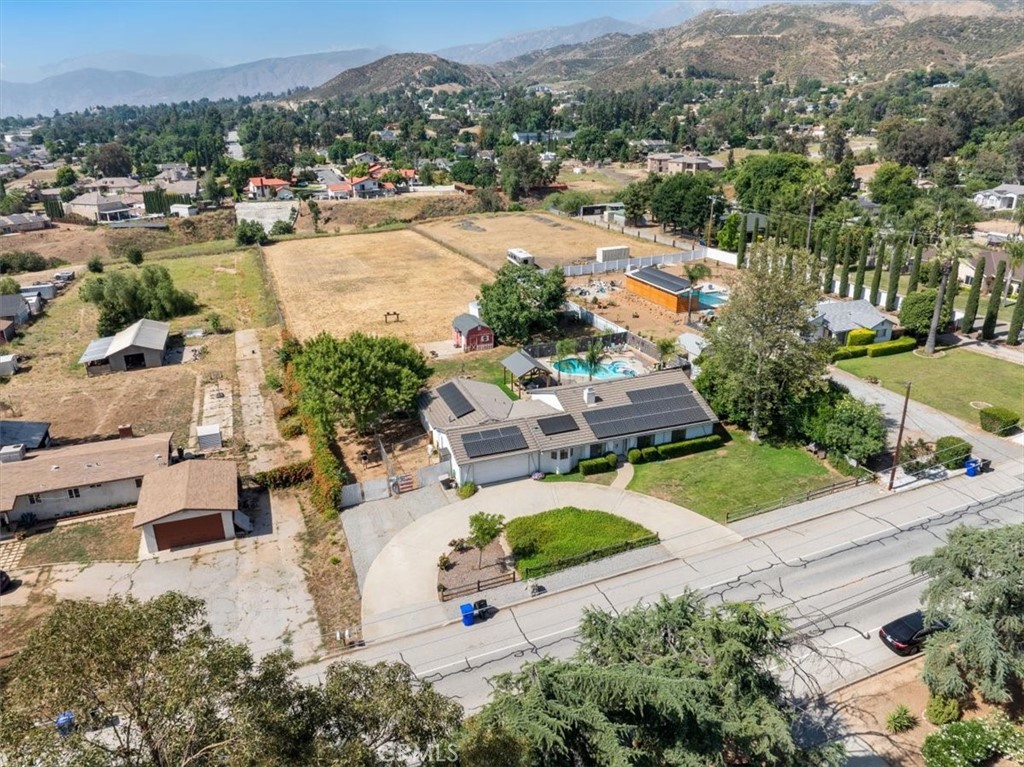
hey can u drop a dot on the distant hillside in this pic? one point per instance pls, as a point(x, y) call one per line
point(824, 41)
point(418, 70)
point(84, 88)
point(527, 42)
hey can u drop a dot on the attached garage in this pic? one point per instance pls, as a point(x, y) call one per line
point(188, 504)
point(499, 469)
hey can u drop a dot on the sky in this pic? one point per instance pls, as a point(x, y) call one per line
point(36, 34)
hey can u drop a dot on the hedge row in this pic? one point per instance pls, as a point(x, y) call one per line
point(610, 462)
point(904, 344)
point(860, 337)
point(688, 446)
point(998, 420)
point(284, 476)
point(849, 352)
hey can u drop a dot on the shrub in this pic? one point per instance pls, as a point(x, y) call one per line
point(952, 452)
point(15, 261)
point(290, 428)
point(613, 460)
point(282, 227)
point(214, 321)
point(594, 466)
point(849, 352)
point(900, 345)
point(273, 380)
point(689, 446)
point(959, 744)
point(998, 420)
point(284, 476)
point(900, 719)
point(459, 544)
point(133, 255)
point(635, 456)
point(651, 454)
point(940, 711)
point(467, 490)
point(250, 233)
point(444, 562)
point(95, 264)
point(860, 337)
point(335, 560)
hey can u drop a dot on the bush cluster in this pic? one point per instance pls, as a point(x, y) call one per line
point(860, 337)
point(940, 711)
point(16, 261)
point(690, 446)
point(952, 452)
point(849, 352)
point(960, 744)
point(998, 420)
point(900, 345)
point(609, 462)
point(284, 476)
point(467, 490)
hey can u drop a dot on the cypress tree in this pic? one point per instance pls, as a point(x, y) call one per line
point(895, 269)
point(819, 237)
point(952, 288)
point(778, 230)
point(934, 274)
point(988, 327)
point(915, 269)
point(974, 297)
point(862, 265)
point(1016, 321)
point(844, 275)
point(741, 252)
point(830, 262)
point(876, 277)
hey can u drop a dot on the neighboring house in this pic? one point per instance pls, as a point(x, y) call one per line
point(136, 347)
point(834, 319)
point(1003, 197)
point(339, 191)
point(471, 334)
point(34, 435)
point(183, 188)
point(648, 145)
point(364, 187)
point(15, 309)
point(368, 157)
point(98, 207)
point(682, 162)
point(113, 184)
point(490, 438)
point(62, 481)
point(260, 188)
point(386, 135)
point(23, 222)
point(1013, 277)
point(662, 288)
point(186, 504)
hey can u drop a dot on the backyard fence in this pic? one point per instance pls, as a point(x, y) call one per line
point(261, 259)
point(628, 264)
point(589, 556)
point(475, 588)
point(821, 492)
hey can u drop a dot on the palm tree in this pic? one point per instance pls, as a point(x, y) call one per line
point(816, 186)
point(667, 348)
point(564, 349)
point(593, 358)
point(694, 272)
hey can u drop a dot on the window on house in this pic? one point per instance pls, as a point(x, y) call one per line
point(74, 493)
point(91, 486)
point(484, 339)
point(679, 435)
point(554, 455)
point(563, 455)
point(138, 482)
point(34, 498)
point(644, 441)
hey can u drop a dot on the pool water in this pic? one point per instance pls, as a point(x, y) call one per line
point(713, 299)
point(577, 367)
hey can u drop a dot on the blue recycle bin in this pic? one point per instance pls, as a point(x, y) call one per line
point(468, 614)
point(65, 723)
point(973, 466)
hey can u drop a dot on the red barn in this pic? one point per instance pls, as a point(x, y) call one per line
point(469, 333)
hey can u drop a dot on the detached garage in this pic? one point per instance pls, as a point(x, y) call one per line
point(187, 504)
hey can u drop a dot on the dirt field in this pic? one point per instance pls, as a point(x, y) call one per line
point(75, 244)
point(343, 216)
point(554, 241)
point(343, 284)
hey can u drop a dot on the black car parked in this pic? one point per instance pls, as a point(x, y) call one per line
point(906, 635)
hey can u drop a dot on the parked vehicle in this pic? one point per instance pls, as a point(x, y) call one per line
point(5, 581)
point(906, 635)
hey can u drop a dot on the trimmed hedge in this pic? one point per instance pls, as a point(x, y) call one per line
point(849, 352)
point(860, 337)
point(651, 454)
point(998, 420)
point(952, 452)
point(284, 476)
point(689, 446)
point(594, 466)
point(635, 456)
point(900, 345)
point(613, 460)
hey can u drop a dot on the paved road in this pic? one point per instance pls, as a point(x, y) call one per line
point(838, 577)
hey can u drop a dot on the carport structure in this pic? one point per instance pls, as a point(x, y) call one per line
point(520, 367)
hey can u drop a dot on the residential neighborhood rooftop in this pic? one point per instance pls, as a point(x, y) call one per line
point(147, 334)
point(189, 485)
point(843, 316)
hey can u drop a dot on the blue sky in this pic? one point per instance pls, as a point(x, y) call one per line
point(38, 33)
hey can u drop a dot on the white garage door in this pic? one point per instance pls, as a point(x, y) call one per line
point(501, 469)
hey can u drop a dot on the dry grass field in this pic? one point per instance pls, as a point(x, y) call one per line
point(554, 241)
point(347, 283)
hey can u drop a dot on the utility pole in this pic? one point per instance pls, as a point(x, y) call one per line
point(899, 438)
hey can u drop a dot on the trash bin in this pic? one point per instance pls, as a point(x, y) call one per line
point(468, 614)
point(65, 723)
point(480, 608)
point(973, 466)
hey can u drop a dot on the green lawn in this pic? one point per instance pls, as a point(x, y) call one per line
point(948, 383)
point(209, 248)
point(481, 366)
point(574, 476)
point(107, 539)
point(230, 284)
point(540, 541)
point(739, 475)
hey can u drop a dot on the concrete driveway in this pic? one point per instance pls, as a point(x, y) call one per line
point(254, 588)
point(400, 587)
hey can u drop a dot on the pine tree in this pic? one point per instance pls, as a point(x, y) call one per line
point(844, 275)
point(1016, 321)
point(876, 276)
point(862, 265)
point(830, 262)
point(995, 300)
point(974, 297)
point(895, 269)
point(915, 269)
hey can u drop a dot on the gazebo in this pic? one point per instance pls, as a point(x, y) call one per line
point(520, 367)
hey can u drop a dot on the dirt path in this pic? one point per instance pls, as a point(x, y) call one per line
point(258, 424)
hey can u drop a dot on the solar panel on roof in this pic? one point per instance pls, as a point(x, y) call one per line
point(455, 400)
point(670, 283)
point(504, 439)
point(557, 424)
point(656, 393)
point(678, 408)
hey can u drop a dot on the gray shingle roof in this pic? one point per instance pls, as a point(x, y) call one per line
point(466, 322)
point(145, 334)
point(11, 305)
point(519, 363)
point(843, 316)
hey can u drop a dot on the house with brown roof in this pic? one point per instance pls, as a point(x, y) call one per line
point(187, 504)
point(261, 188)
point(63, 481)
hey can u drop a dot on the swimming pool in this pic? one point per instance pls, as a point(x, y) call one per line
point(577, 367)
point(714, 299)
